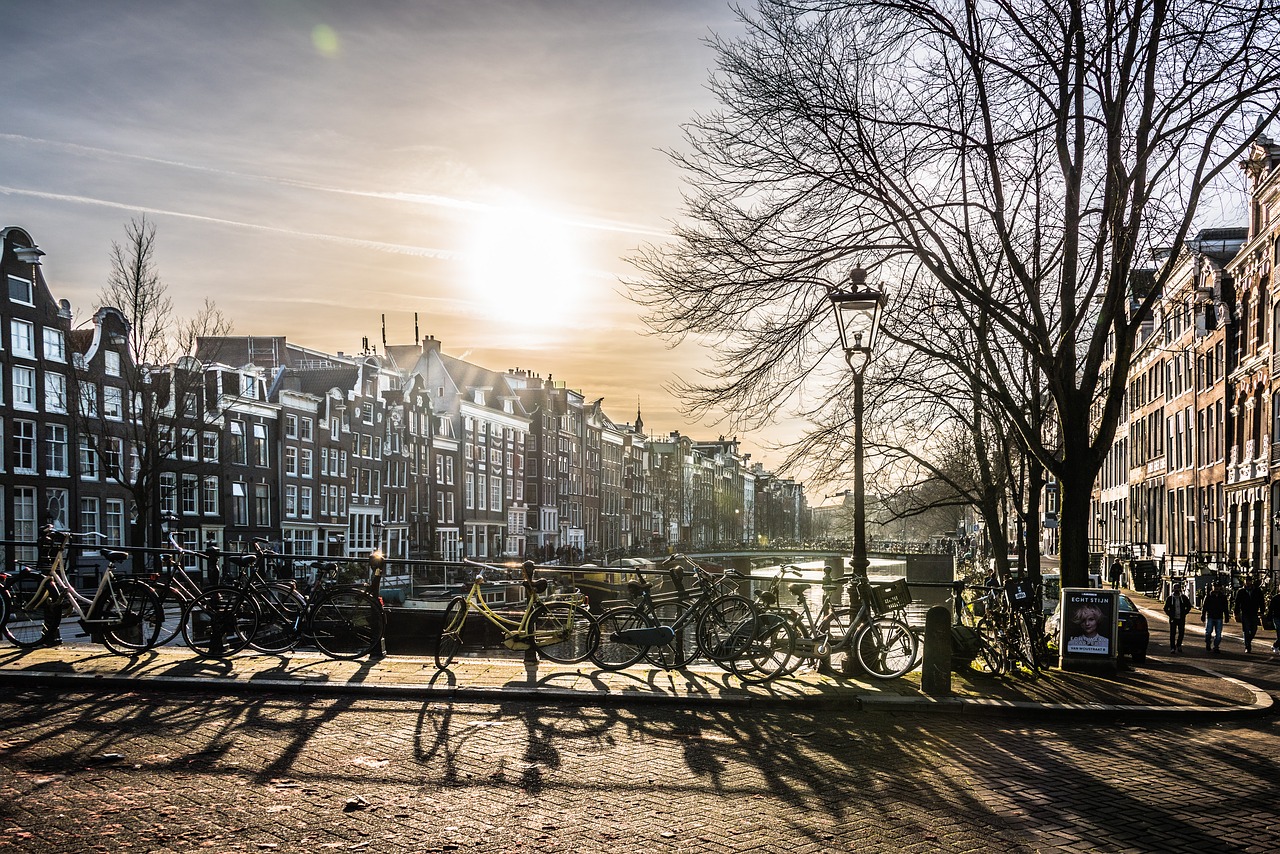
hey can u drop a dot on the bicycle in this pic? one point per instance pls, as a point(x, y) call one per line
point(788, 637)
point(123, 614)
point(1012, 631)
point(173, 586)
point(870, 632)
point(344, 621)
point(558, 626)
point(671, 630)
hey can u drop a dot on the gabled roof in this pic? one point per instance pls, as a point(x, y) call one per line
point(469, 377)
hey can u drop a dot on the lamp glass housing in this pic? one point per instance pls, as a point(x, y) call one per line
point(858, 318)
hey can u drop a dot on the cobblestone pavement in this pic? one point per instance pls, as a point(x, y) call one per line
point(177, 773)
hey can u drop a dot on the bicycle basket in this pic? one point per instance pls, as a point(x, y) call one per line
point(890, 596)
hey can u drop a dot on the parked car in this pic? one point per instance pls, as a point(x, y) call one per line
point(1135, 634)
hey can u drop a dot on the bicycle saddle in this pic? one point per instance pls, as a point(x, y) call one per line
point(635, 587)
point(115, 557)
point(797, 589)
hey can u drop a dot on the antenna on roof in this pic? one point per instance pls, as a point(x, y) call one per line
point(384, 333)
point(415, 327)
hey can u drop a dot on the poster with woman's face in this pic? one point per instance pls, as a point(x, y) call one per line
point(1089, 622)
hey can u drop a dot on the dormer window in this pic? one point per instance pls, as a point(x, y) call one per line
point(479, 397)
point(507, 406)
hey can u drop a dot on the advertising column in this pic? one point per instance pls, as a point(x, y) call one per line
point(1090, 621)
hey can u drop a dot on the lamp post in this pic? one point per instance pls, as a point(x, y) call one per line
point(858, 309)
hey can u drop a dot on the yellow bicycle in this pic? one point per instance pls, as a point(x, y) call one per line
point(557, 625)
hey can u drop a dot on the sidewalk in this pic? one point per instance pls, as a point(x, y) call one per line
point(1159, 686)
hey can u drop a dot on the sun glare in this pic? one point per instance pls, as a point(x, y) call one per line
point(523, 266)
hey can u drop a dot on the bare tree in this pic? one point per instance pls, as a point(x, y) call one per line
point(1025, 158)
point(165, 407)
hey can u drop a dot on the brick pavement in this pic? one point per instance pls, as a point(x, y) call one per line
point(269, 772)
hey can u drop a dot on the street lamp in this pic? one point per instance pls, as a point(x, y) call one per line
point(858, 309)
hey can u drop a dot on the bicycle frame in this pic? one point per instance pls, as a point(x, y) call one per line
point(517, 634)
point(56, 583)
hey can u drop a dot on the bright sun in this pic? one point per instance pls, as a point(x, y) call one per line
point(523, 266)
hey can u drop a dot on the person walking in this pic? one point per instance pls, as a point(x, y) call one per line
point(1273, 611)
point(1249, 606)
point(1177, 606)
point(1117, 570)
point(1215, 610)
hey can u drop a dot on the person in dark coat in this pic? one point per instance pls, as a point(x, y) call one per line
point(1214, 610)
point(1117, 571)
point(1249, 605)
point(1177, 606)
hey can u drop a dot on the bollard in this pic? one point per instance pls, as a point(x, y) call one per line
point(935, 672)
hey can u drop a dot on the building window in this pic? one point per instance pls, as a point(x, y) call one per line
point(291, 501)
point(168, 492)
point(89, 400)
point(55, 346)
point(262, 504)
point(24, 522)
point(58, 504)
point(291, 426)
point(24, 388)
point(189, 450)
point(22, 338)
point(20, 291)
point(89, 514)
point(114, 521)
point(240, 505)
point(291, 460)
point(55, 449)
point(304, 502)
point(88, 460)
point(260, 457)
point(55, 392)
point(190, 494)
point(495, 493)
point(113, 457)
point(304, 429)
point(112, 403)
point(209, 447)
point(111, 363)
point(304, 462)
point(470, 494)
point(24, 447)
point(239, 449)
point(209, 496)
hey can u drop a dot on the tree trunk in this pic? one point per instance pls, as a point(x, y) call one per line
point(1075, 486)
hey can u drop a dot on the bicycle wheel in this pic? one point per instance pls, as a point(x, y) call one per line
point(770, 651)
point(281, 609)
point(886, 647)
point(614, 654)
point(220, 622)
point(838, 627)
point(564, 632)
point(28, 605)
point(684, 646)
point(726, 627)
point(990, 658)
point(450, 639)
point(993, 639)
point(173, 605)
point(346, 624)
point(134, 616)
point(1026, 660)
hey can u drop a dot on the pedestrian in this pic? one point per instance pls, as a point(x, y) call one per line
point(1177, 606)
point(1273, 611)
point(1117, 570)
point(1214, 611)
point(1250, 604)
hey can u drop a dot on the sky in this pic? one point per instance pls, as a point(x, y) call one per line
point(312, 166)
